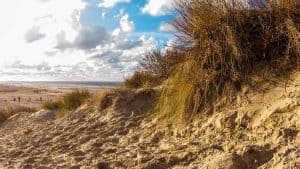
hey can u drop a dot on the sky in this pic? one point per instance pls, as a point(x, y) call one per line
point(80, 40)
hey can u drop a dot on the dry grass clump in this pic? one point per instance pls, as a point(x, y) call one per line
point(75, 99)
point(52, 105)
point(154, 68)
point(141, 79)
point(70, 101)
point(6, 113)
point(226, 45)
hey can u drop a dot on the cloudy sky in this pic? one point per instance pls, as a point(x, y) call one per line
point(79, 39)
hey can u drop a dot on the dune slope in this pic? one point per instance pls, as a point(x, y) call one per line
point(260, 130)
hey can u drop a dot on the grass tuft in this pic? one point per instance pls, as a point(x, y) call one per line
point(69, 102)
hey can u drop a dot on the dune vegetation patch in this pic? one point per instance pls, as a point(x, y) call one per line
point(220, 47)
point(70, 101)
point(154, 69)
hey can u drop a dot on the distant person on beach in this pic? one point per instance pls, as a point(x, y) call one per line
point(19, 99)
point(41, 98)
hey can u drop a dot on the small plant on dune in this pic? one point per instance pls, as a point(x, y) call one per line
point(75, 99)
point(6, 113)
point(70, 101)
point(52, 105)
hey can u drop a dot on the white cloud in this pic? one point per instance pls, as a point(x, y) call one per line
point(87, 38)
point(166, 27)
point(34, 34)
point(121, 57)
point(111, 3)
point(126, 26)
point(158, 7)
point(25, 22)
point(47, 18)
point(45, 40)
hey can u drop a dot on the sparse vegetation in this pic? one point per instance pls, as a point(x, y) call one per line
point(6, 113)
point(70, 101)
point(52, 105)
point(73, 100)
point(154, 68)
point(223, 46)
point(142, 79)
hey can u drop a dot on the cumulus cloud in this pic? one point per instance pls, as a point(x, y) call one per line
point(128, 44)
point(158, 7)
point(111, 3)
point(21, 66)
point(91, 37)
point(123, 56)
point(34, 34)
point(36, 20)
point(166, 27)
point(49, 42)
point(126, 26)
point(87, 38)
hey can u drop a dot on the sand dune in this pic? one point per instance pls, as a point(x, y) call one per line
point(260, 131)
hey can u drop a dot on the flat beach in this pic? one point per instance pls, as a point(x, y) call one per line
point(33, 95)
point(13, 95)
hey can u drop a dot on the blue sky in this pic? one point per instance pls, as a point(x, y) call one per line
point(144, 23)
point(80, 39)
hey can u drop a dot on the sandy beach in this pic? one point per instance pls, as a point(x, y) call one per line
point(11, 95)
point(32, 96)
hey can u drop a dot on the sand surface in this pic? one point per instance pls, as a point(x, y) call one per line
point(259, 131)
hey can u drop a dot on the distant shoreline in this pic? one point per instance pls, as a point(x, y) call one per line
point(65, 84)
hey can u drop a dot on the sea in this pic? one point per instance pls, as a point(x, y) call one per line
point(65, 84)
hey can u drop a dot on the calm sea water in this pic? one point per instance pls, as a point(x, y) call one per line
point(65, 84)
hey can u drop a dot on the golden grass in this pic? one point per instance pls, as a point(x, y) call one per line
point(225, 45)
point(154, 68)
point(227, 42)
point(142, 79)
point(69, 102)
point(175, 96)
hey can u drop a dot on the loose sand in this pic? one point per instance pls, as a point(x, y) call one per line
point(259, 131)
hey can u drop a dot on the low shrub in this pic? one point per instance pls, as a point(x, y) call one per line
point(70, 101)
point(52, 105)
